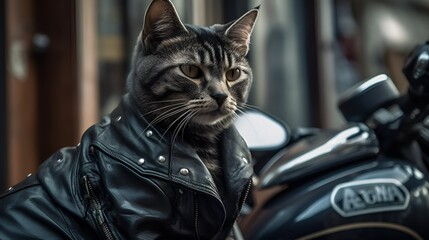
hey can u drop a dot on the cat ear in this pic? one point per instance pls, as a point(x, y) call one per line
point(239, 31)
point(161, 22)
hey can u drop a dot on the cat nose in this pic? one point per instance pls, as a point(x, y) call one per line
point(219, 97)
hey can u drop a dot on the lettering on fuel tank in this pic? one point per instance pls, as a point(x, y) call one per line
point(369, 196)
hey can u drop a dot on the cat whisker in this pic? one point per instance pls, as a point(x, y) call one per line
point(240, 111)
point(165, 115)
point(186, 123)
point(182, 125)
point(243, 109)
point(162, 108)
point(169, 113)
point(235, 114)
point(174, 122)
point(249, 106)
point(178, 127)
point(168, 101)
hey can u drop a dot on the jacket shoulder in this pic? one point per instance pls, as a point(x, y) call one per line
point(28, 212)
point(27, 183)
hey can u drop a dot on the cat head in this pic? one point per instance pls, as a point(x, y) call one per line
point(185, 75)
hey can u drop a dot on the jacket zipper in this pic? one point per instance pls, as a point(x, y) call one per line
point(96, 210)
point(243, 200)
point(246, 194)
point(196, 212)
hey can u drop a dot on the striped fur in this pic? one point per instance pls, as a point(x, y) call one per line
point(195, 109)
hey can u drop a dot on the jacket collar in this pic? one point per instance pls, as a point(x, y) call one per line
point(129, 138)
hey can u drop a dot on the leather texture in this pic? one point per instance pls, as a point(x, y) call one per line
point(125, 180)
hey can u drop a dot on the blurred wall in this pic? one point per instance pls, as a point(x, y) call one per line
point(75, 54)
point(278, 56)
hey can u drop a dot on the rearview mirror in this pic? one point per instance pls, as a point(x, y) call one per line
point(260, 131)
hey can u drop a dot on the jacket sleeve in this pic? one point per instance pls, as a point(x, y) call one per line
point(27, 212)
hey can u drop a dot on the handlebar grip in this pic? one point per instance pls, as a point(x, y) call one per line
point(416, 69)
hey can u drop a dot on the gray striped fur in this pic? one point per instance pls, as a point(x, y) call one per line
point(184, 107)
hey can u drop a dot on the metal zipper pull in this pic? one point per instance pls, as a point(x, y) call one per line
point(96, 208)
point(196, 211)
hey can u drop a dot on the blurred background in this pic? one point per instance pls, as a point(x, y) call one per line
point(63, 63)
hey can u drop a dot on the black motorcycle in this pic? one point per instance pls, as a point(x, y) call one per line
point(367, 180)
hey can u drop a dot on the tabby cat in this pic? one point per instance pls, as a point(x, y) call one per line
point(186, 84)
point(189, 80)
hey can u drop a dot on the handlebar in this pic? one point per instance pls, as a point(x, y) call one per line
point(410, 127)
point(398, 121)
point(416, 69)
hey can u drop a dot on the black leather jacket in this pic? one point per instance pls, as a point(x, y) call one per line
point(127, 182)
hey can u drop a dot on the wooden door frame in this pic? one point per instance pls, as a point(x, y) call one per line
point(21, 88)
point(87, 55)
point(3, 147)
point(52, 98)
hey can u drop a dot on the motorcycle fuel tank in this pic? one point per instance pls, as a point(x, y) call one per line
point(378, 198)
point(312, 155)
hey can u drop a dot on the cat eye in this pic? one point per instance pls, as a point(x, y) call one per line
point(233, 74)
point(191, 71)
